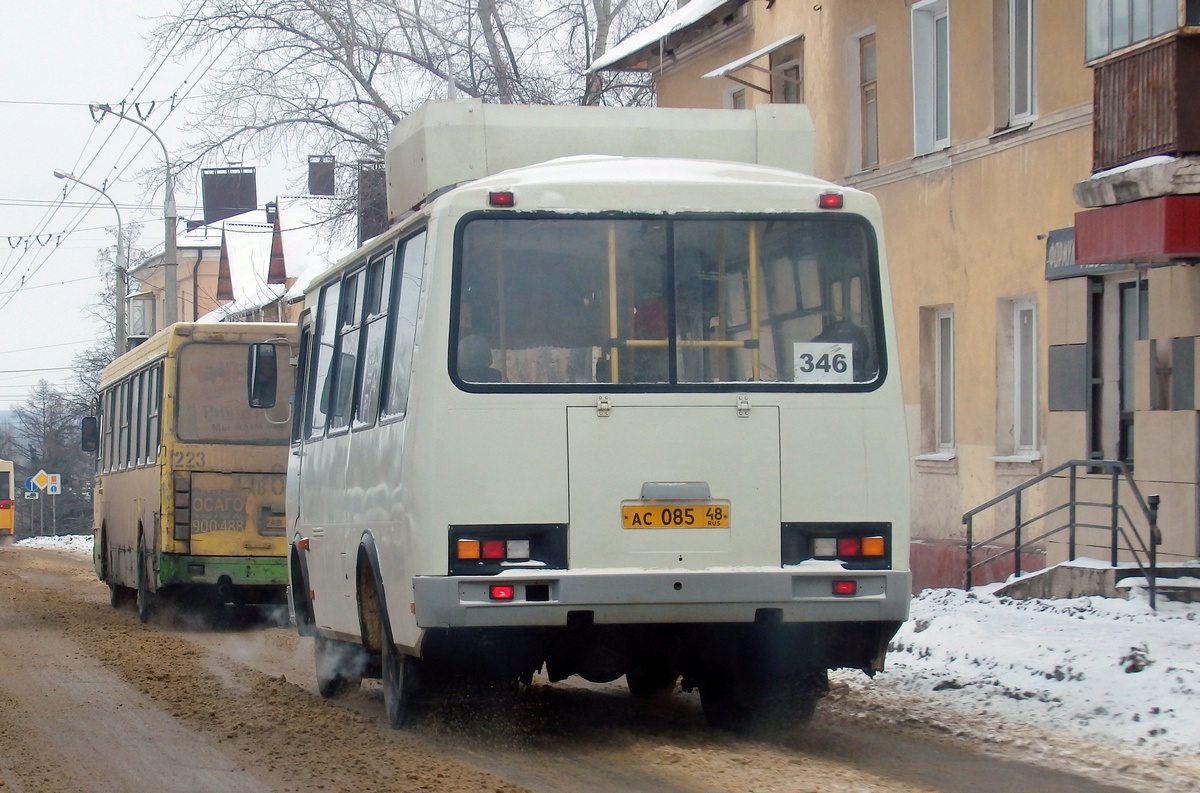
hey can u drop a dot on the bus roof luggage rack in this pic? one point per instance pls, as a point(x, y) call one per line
point(444, 143)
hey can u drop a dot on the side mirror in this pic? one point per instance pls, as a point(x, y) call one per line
point(261, 377)
point(89, 431)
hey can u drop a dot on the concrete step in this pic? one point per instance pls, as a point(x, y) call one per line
point(1087, 577)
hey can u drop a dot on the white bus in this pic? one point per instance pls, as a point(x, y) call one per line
point(601, 416)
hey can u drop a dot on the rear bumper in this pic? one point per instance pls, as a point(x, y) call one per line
point(240, 570)
point(617, 597)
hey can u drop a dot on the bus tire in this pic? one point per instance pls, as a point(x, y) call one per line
point(120, 596)
point(146, 600)
point(398, 679)
point(100, 556)
point(338, 666)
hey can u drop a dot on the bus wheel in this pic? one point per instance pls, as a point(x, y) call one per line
point(146, 600)
point(339, 666)
point(119, 595)
point(398, 679)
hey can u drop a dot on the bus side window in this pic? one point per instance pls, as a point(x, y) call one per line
point(403, 327)
point(154, 423)
point(346, 358)
point(376, 308)
point(298, 414)
point(322, 359)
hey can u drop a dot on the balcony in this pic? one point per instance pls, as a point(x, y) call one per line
point(1146, 102)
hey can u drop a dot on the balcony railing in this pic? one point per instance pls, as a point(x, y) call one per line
point(1145, 102)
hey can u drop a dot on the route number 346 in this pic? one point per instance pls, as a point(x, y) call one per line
point(823, 362)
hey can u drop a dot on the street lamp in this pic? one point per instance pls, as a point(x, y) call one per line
point(170, 284)
point(121, 287)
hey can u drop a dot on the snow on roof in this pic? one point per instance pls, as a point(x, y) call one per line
point(683, 17)
point(745, 60)
point(248, 246)
point(1137, 165)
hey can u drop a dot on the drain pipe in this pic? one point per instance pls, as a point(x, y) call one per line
point(196, 284)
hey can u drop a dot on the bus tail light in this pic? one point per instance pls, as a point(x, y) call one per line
point(858, 546)
point(487, 550)
point(845, 587)
point(501, 591)
point(830, 200)
point(182, 487)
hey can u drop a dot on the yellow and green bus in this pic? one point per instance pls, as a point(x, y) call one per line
point(7, 504)
point(190, 482)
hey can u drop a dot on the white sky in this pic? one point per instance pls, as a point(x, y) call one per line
point(58, 56)
point(1108, 678)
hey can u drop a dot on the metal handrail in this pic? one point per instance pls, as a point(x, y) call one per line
point(1117, 469)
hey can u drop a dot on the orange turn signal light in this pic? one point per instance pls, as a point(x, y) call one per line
point(872, 546)
point(468, 549)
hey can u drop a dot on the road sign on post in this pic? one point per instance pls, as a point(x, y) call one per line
point(54, 485)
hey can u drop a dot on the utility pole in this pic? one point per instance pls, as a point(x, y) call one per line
point(170, 218)
point(121, 334)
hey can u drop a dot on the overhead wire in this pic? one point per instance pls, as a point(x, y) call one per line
point(31, 270)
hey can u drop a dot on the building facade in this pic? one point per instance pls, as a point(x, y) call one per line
point(971, 122)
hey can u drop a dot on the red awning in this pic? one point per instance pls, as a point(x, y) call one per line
point(1155, 230)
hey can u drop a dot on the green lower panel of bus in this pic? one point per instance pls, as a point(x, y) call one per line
point(241, 570)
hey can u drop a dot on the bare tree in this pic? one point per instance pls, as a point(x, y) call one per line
point(89, 363)
point(334, 76)
point(47, 426)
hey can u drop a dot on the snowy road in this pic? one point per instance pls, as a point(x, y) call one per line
point(90, 699)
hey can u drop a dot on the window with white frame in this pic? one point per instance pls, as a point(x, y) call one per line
point(1022, 63)
point(1025, 380)
point(944, 379)
point(735, 99)
point(931, 75)
point(1018, 426)
point(868, 101)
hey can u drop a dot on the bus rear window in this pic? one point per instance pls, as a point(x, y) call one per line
point(212, 406)
point(792, 300)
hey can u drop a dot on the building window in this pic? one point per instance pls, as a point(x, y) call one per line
point(944, 377)
point(868, 101)
point(787, 74)
point(736, 99)
point(1115, 24)
point(931, 75)
point(1022, 65)
point(1025, 370)
point(937, 380)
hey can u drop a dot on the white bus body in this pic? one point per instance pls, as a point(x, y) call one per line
point(605, 416)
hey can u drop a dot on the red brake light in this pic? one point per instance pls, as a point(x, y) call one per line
point(501, 592)
point(849, 546)
point(830, 201)
point(502, 198)
point(493, 549)
point(844, 587)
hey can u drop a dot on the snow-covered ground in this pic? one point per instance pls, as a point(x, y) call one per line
point(1102, 669)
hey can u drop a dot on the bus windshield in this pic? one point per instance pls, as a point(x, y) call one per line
point(210, 410)
point(788, 300)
